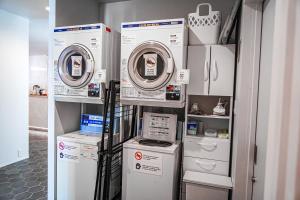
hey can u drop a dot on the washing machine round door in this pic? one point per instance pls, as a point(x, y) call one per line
point(150, 66)
point(76, 66)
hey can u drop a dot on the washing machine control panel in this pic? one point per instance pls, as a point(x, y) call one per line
point(94, 90)
point(173, 92)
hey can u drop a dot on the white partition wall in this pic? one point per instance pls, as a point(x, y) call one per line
point(64, 117)
point(14, 55)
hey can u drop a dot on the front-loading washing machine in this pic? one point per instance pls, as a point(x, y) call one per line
point(85, 60)
point(152, 55)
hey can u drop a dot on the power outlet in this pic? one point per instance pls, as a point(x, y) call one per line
point(19, 153)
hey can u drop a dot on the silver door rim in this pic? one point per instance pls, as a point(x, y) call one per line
point(140, 82)
point(62, 66)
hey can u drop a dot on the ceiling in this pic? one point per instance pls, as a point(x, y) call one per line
point(31, 9)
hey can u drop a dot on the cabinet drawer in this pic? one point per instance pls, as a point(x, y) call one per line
point(205, 147)
point(205, 166)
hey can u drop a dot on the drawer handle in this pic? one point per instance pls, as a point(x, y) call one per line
point(208, 166)
point(208, 146)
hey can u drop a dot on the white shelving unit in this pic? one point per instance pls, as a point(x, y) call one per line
point(207, 159)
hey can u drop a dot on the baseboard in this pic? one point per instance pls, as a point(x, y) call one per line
point(18, 160)
point(36, 128)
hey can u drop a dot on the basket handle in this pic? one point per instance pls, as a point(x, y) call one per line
point(203, 4)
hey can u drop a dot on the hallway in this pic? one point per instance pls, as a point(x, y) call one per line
point(27, 179)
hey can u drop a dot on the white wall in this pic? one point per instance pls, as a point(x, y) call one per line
point(264, 96)
point(14, 56)
point(38, 37)
point(114, 14)
point(38, 65)
point(246, 94)
point(70, 12)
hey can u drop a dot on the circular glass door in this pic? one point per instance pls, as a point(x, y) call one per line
point(150, 66)
point(76, 66)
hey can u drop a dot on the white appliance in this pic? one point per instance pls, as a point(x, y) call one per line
point(85, 60)
point(151, 163)
point(153, 53)
point(77, 167)
point(150, 172)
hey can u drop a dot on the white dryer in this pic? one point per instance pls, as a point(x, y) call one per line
point(85, 60)
point(152, 54)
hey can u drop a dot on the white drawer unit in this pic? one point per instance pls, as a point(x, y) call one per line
point(206, 166)
point(209, 148)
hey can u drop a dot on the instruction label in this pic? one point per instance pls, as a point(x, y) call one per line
point(101, 76)
point(95, 43)
point(59, 43)
point(147, 162)
point(128, 39)
point(183, 76)
point(175, 39)
point(150, 64)
point(68, 151)
point(159, 126)
point(76, 65)
point(89, 152)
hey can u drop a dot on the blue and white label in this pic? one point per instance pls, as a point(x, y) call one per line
point(79, 28)
point(149, 24)
point(91, 120)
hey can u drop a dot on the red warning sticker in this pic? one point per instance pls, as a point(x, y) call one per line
point(108, 29)
point(147, 162)
point(61, 146)
point(138, 155)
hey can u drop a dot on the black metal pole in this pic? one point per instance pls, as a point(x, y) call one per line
point(133, 122)
point(110, 142)
point(101, 151)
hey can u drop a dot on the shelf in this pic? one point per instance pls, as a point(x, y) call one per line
point(203, 136)
point(89, 100)
point(208, 179)
point(209, 116)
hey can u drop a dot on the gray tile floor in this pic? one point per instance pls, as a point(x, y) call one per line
point(27, 179)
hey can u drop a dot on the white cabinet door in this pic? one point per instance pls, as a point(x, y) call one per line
point(222, 70)
point(198, 63)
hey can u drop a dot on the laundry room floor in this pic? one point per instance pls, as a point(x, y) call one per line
point(27, 179)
